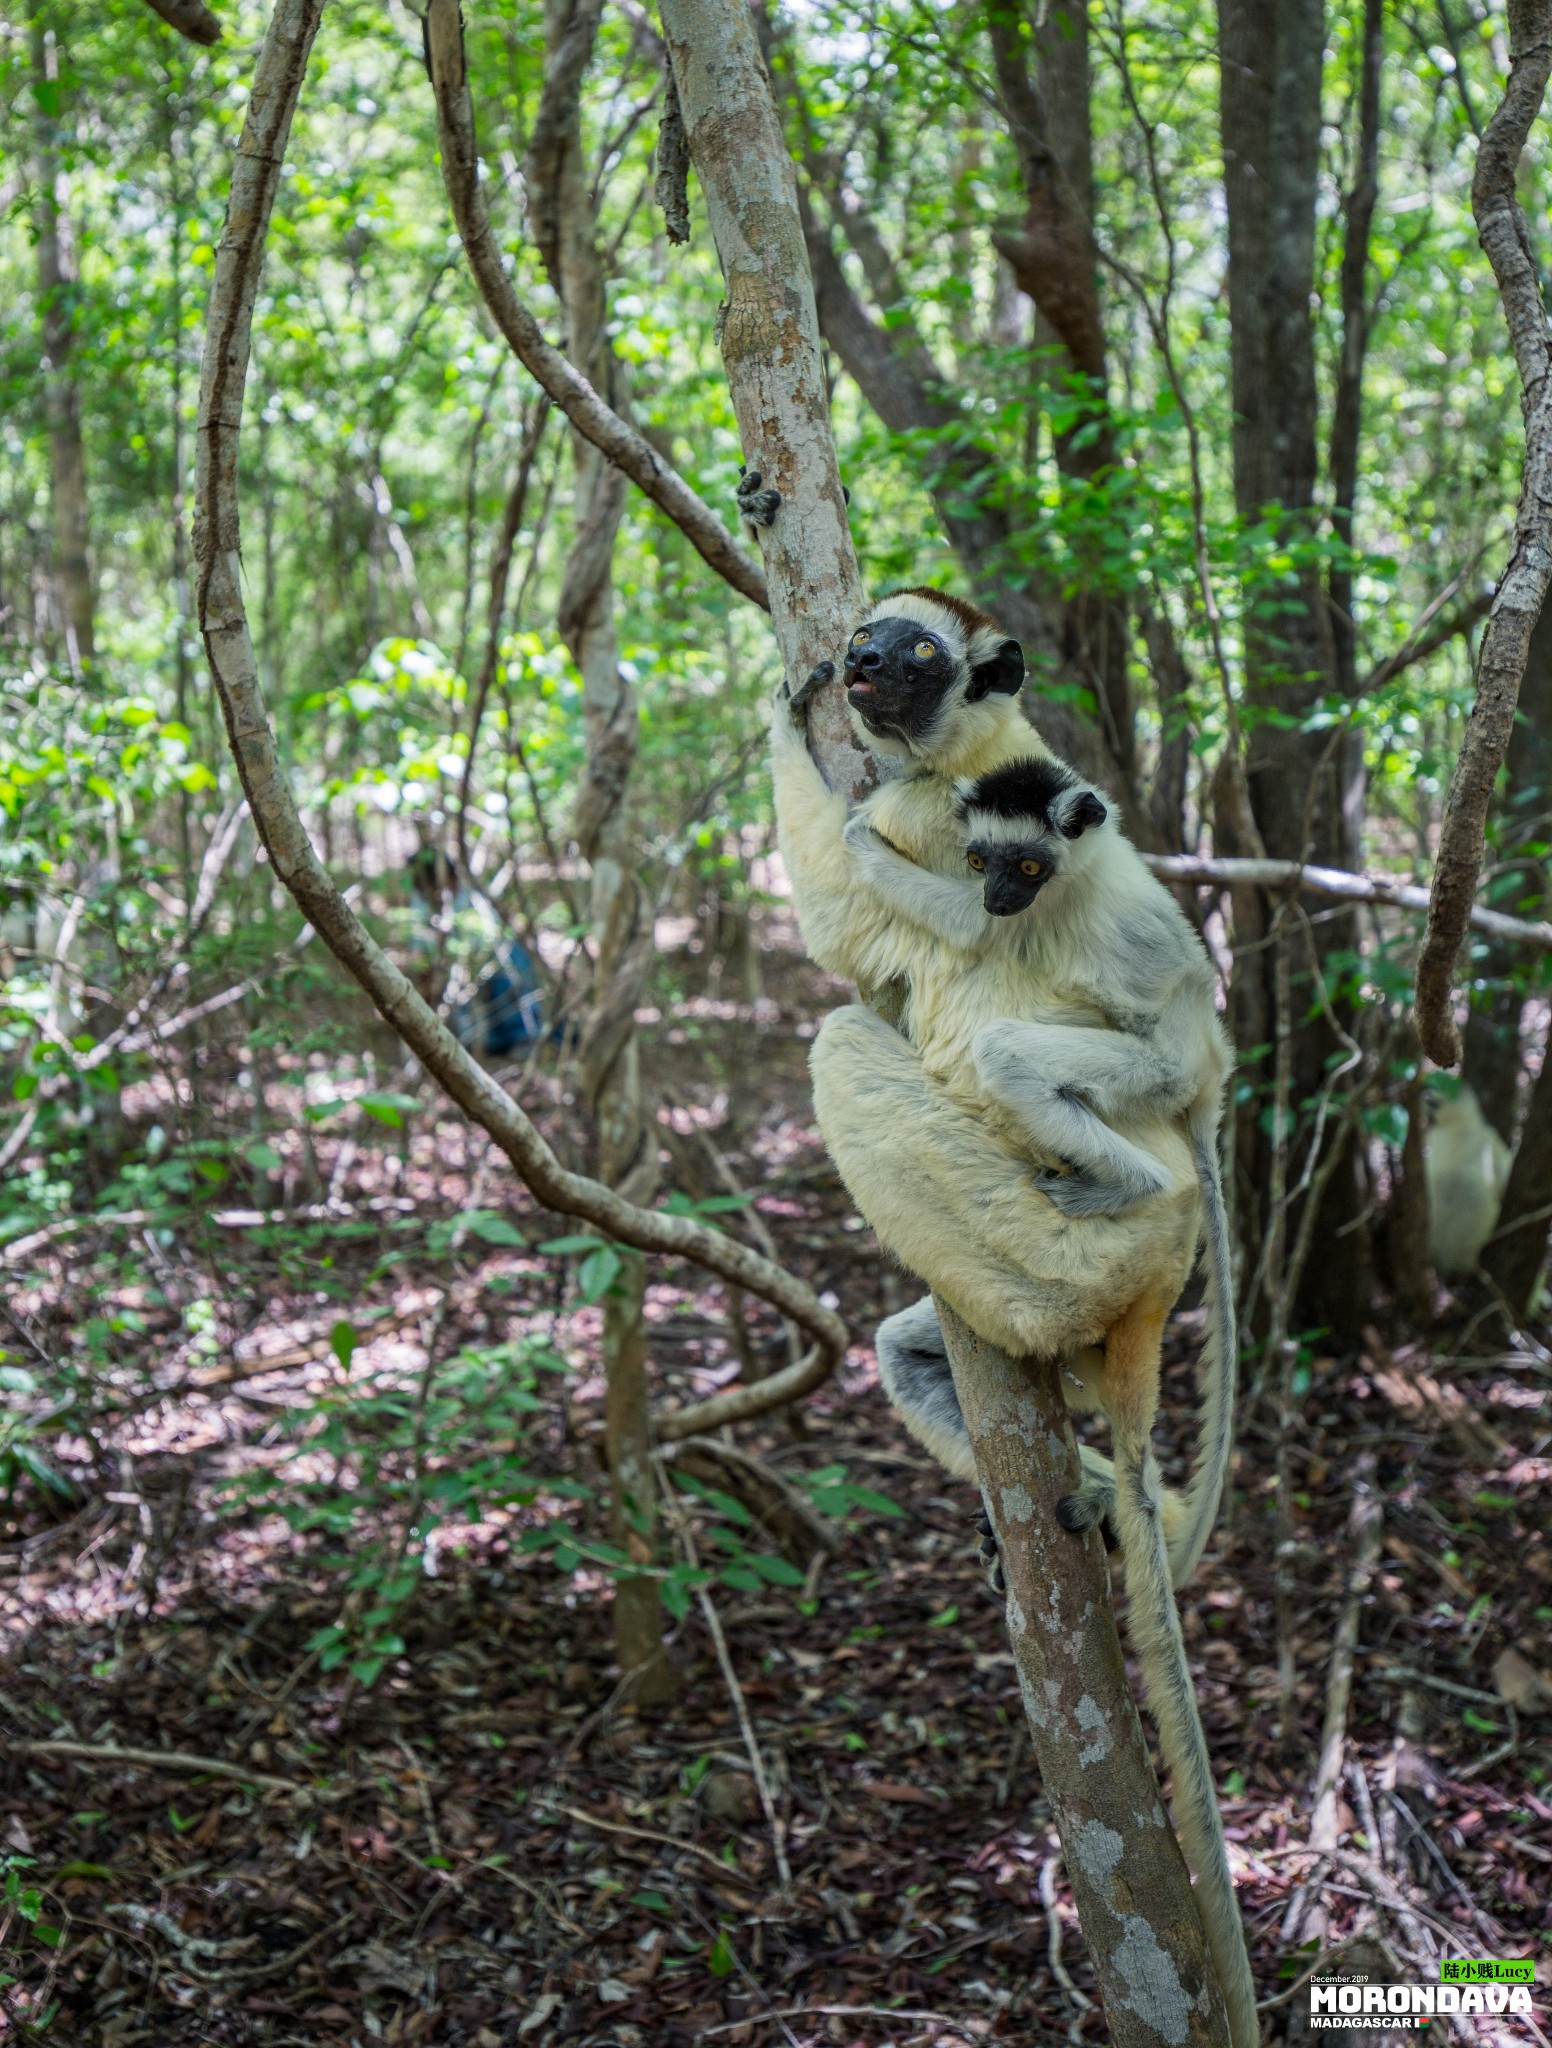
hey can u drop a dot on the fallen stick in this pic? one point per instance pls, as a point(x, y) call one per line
point(156, 1760)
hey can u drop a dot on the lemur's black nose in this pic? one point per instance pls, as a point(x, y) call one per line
point(869, 658)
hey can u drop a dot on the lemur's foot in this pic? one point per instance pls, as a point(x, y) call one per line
point(1091, 1507)
point(757, 502)
point(1076, 1195)
point(797, 701)
point(991, 1556)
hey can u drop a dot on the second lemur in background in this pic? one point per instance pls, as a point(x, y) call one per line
point(1466, 1168)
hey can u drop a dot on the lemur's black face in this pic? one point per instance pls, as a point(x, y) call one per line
point(1022, 824)
point(1013, 875)
point(900, 674)
point(897, 675)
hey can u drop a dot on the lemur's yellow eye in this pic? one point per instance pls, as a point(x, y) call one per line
point(859, 636)
point(924, 650)
point(1029, 867)
point(976, 862)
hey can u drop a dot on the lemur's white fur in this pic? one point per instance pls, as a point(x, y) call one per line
point(1133, 1105)
point(933, 1158)
point(939, 1165)
point(1466, 1168)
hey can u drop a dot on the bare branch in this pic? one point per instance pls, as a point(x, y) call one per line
point(1430, 634)
point(770, 347)
point(224, 624)
point(1053, 257)
point(1341, 887)
point(1503, 232)
point(621, 444)
point(190, 18)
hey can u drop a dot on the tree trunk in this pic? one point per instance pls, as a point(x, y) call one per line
point(1306, 788)
point(1138, 1910)
point(565, 223)
point(1513, 1261)
point(57, 309)
point(1053, 260)
point(1121, 1854)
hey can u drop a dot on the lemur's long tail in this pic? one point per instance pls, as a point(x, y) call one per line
point(1154, 1625)
point(1217, 1371)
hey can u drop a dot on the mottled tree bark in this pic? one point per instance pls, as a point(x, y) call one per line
point(57, 315)
point(1128, 1876)
point(1134, 1895)
point(564, 212)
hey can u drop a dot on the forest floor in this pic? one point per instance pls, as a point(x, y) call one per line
point(486, 1848)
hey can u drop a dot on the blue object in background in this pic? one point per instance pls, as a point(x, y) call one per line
point(505, 1013)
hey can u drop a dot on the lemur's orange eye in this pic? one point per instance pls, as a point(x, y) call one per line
point(924, 650)
point(976, 862)
point(859, 636)
point(1029, 867)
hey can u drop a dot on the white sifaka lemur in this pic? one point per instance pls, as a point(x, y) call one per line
point(1052, 990)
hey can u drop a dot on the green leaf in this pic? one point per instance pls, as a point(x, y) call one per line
point(562, 1245)
point(598, 1272)
point(720, 1959)
point(491, 1228)
point(386, 1108)
point(342, 1342)
point(777, 1570)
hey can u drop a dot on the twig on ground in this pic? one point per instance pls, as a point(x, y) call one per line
point(619, 1827)
point(730, 1680)
point(177, 1760)
point(1365, 1528)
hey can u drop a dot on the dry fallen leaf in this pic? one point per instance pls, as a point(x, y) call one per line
point(1520, 1685)
point(541, 2012)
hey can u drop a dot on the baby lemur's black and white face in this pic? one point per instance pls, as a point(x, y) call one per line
point(1022, 826)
